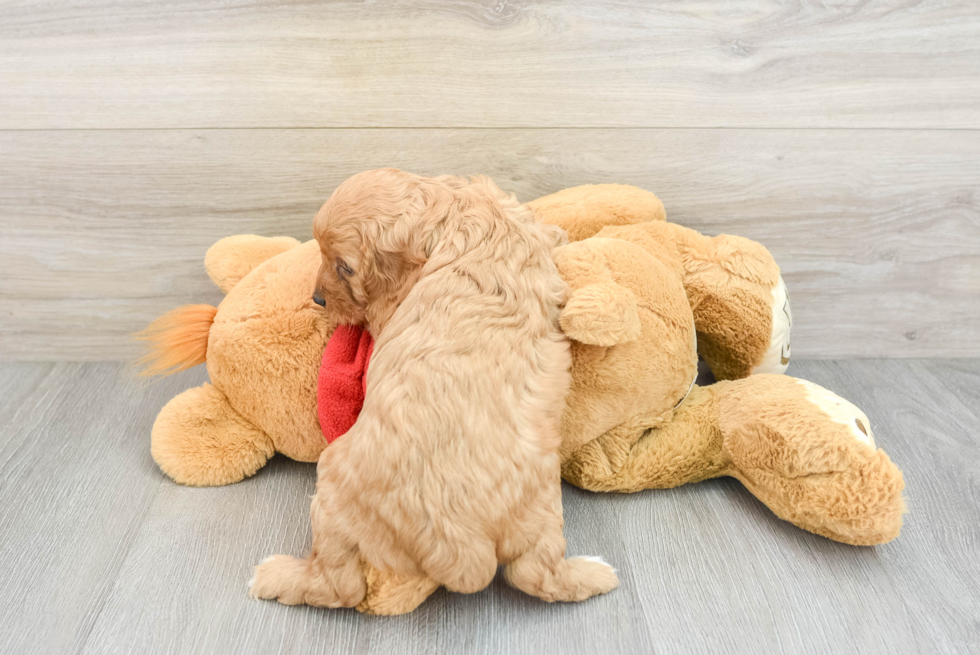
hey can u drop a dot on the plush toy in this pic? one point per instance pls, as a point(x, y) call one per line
point(646, 297)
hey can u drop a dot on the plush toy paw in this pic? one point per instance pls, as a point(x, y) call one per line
point(741, 306)
point(198, 439)
point(811, 457)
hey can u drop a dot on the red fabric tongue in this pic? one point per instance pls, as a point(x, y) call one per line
point(341, 383)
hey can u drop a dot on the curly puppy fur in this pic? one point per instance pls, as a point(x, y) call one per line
point(452, 466)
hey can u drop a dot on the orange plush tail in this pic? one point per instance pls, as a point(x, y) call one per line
point(177, 340)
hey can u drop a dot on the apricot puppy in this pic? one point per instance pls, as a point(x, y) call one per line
point(452, 466)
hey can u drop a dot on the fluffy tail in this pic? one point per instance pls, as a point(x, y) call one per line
point(177, 340)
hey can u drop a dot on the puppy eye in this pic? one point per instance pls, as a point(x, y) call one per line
point(343, 270)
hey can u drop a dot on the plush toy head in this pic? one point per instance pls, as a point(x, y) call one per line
point(263, 348)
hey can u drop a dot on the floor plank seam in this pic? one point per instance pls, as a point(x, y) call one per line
point(131, 542)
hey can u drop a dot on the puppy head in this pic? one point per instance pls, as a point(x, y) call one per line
point(376, 232)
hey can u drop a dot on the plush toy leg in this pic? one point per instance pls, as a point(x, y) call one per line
point(199, 440)
point(740, 305)
point(234, 257)
point(741, 308)
point(390, 594)
point(653, 452)
point(806, 453)
point(810, 456)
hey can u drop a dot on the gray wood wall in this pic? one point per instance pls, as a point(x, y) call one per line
point(844, 136)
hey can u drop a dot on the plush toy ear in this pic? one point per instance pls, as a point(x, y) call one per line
point(601, 314)
point(234, 257)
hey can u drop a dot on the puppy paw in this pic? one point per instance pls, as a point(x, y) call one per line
point(282, 577)
point(593, 576)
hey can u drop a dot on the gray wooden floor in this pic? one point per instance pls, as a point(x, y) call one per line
point(102, 553)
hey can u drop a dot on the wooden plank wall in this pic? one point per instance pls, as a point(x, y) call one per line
point(844, 136)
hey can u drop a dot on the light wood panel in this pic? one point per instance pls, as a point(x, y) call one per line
point(494, 63)
point(877, 231)
point(102, 554)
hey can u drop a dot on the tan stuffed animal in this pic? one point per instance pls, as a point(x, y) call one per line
point(646, 297)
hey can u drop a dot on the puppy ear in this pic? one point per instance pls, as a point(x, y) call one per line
point(441, 207)
point(388, 267)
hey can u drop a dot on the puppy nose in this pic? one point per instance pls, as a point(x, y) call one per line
point(320, 301)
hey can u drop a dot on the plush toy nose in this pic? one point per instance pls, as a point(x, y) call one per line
point(320, 301)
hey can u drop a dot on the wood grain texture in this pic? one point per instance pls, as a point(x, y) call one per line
point(493, 63)
point(877, 231)
point(76, 481)
point(103, 555)
point(924, 414)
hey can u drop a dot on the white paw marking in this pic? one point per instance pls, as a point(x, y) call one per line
point(597, 560)
point(840, 411)
point(777, 356)
point(251, 581)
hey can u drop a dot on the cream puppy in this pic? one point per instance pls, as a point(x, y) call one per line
point(452, 466)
